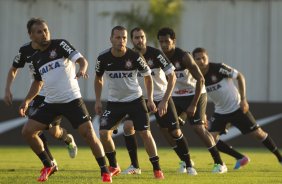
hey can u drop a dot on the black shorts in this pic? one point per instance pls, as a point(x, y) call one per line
point(246, 123)
point(33, 106)
point(75, 111)
point(183, 102)
point(170, 119)
point(136, 110)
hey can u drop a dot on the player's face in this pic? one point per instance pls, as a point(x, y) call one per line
point(167, 44)
point(202, 59)
point(40, 34)
point(119, 40)
point(139, 40)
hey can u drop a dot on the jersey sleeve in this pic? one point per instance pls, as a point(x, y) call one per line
point(99, 67)
point(69, 51)
point(142, 66)
point(165, 64)
point(227, 71)
point(19, 60)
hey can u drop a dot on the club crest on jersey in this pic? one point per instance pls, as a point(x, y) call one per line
point(214, 78)
point(177, 65)
point(53, 54)
point(128, 64)
point(150, 62)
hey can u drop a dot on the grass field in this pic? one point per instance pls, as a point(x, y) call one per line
point(20, 165)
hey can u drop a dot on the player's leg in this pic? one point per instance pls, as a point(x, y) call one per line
point(246, 123)
point(76, 112)
point(217, 126)
point(198, 125)
point(32, 109)
point(30, 133)
point(61, 134)
point(110, 118)
point(131, 145)
point(139, 114)
point(169, 125)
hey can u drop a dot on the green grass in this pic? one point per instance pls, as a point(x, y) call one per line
point(20, 165)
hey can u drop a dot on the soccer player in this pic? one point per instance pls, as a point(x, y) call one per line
point(164, 80)
point(231, 105)
point(121, 64)
point(54, 65)
point(26, 51)
point(189, 94)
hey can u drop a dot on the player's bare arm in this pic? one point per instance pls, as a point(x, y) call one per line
point(149, 86)
point(242, 90)
point(162, 107)
point(98, 85)
point(33, 91)
point(196, 73)
point(82, 72)
point(8, 98)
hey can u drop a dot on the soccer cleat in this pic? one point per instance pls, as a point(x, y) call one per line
point(131, 170)
point(106, 178)
point(182, 166)
point(45, 173)
point(241, 162)
point(220, 169)
point(72, 148)
point(54, 163)
point(191, 171)
point(114, 170)
point(158, 174)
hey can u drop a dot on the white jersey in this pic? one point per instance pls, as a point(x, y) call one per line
point(221, 88)
point(121, 74)
point(160, 67)
point(55, 66)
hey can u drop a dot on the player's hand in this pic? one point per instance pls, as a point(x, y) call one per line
point(151, 106)
point(244, 106)
point(98, 108)
point(162, 108)
point(191, 111)
point(82, 74)
point(8, 98)
point(23, 108)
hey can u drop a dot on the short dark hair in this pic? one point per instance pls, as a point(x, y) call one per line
point(166, 31)
point(199, 50)
point(33, 21)
point(135, 29)
point(119, 28)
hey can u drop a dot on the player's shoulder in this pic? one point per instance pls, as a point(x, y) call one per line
point(104, 54)
point(132, 53)
point(26, 47)
point(180, 52)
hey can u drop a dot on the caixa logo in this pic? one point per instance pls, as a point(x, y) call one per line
point(120, 75)
point(50, 66)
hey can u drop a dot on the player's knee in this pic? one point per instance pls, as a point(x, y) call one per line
point(175, 133)
point(259, 134)
point(145, 134)
point(55, 132)
point(104, 134)
point(128, 128)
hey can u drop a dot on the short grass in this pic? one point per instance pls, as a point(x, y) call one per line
point(20, 165)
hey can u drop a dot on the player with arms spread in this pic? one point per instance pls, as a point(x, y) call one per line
point(54, 66)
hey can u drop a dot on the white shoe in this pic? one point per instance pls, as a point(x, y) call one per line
point(191, 171)
point(220, 169)
point(72, 148)
point(131, 170)
point(182, 166)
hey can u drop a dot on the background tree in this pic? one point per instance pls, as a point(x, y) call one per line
point(161, 13)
